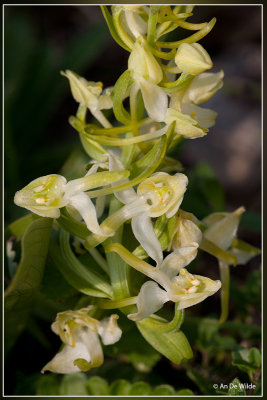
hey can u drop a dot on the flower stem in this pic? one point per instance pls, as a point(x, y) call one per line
point(225, 279)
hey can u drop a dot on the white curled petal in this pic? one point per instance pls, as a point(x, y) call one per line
point(86, 208)
point(87, 347)
point(155, 99)
point(150, 299)
point(109, 330)
point(143, 231)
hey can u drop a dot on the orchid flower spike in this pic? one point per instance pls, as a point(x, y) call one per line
point(147, 73)
point(176, 283)
point(80, 336)
point(90, 95)
point(45, 196)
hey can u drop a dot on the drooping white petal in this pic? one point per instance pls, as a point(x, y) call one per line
point(143, 231)
point(109, 330)
point(203, 87)
point(150, 299)
point(86, 208)
point(155, 99)
point(87, 347)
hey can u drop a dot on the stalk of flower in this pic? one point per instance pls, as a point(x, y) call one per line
point(81, 346)
point(45, 196)
point(177, 283)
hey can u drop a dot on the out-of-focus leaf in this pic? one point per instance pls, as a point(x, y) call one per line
point(48, 385)
point(97, 386)
point(163, 390)
point(140, 389)
point(247, 360)
point(21, 294)
point(185, 392)
point(74, 384)
point(143, 362)
point(18, 227)
point(204, 384)
point(236, 389)
point(120, 387)
point(207, 329)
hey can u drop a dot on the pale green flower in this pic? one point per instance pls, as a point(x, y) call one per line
point(185, 125)
point(79, 333)
point(45, 196)
point(192, 58)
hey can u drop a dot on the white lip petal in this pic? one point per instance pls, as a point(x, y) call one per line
point(86, 208)
point(155, 99)
point(150, 299)
point(143, 231)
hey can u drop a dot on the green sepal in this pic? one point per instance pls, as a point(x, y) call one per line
point(109, 21)
point(182, 82)
point(118, 94)
point(173, 345)
point(211, 248)
point(244, 246)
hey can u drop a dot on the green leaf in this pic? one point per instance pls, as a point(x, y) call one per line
point(236, 389)
point(163, 390)
point(97, 386)
point(18, 227)
point(247, 360)
point(185, 392)
point(118, 95)
point(76, 274)
point(71, 225)
point(74, 384)
point(21, 294)
point(172, 345)
point(140, 389)
point(120, 387)
point(48, 385)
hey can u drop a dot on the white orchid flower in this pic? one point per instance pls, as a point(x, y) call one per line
point(80, 335)
point(160, 194)
point(147, 73)
point(45, 196)
point(171, 281)
point(90, 95)
point(132, 21)
point(186, 233)
point(201, 89)
point(192, 58)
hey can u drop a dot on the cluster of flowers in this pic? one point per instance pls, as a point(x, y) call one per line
point(134, 167)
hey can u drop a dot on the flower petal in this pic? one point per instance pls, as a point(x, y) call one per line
point(109, 330)
point(178, 259)
point(87, 347)
point(204, 116)
point(86, 208)
point(203, 87)
point(150, 299)
point(224, 230)
point(155, 99)
point(143, 231)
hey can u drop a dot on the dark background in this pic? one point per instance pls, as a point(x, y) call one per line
point(39, 41)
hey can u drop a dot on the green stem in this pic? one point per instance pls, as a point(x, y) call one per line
point(152, 24)
point(225, 279)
